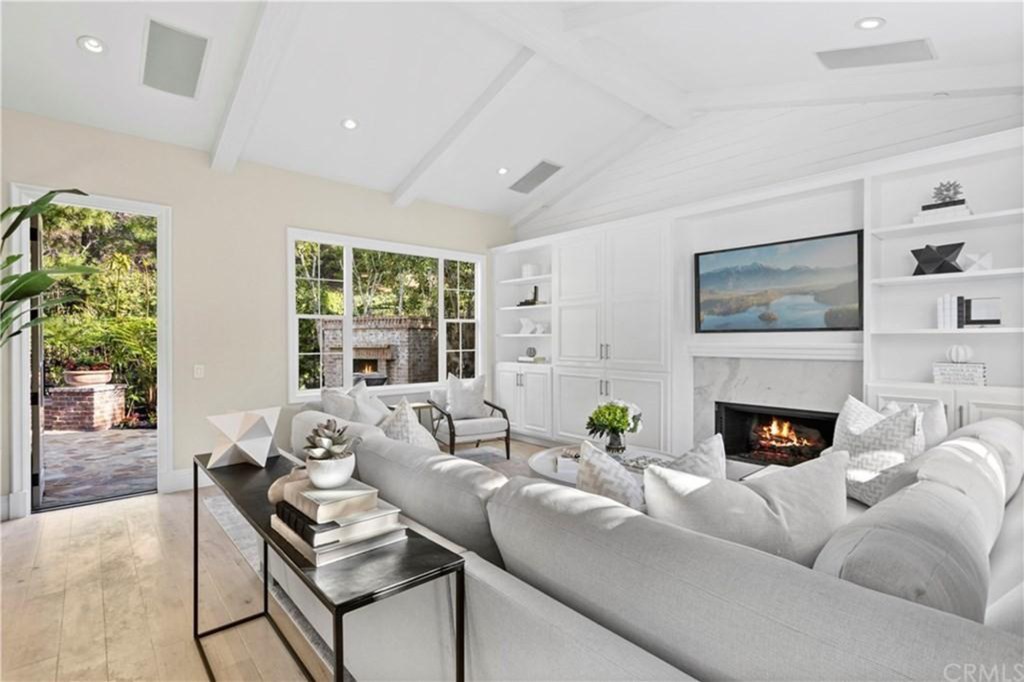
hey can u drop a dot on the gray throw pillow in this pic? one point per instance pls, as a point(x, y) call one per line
point(706, 459)
point(600, 474)
point(878, 445)
point(790, 513)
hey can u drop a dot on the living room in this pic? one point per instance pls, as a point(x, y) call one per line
point(519, 341)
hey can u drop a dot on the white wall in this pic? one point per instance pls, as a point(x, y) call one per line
point(229, 280)
point(833, 209)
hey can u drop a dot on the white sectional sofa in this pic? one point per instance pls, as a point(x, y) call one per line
point(567, 585)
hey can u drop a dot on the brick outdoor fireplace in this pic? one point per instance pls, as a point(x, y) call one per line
point(392, 350)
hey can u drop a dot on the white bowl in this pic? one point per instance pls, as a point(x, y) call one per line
point(330, 473)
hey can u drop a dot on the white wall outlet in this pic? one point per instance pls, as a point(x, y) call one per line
point(198, 371)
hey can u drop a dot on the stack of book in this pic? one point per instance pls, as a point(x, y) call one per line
point(330, 525)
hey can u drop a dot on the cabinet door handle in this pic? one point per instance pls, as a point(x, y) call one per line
point(962, 423)
point(608, 388)
point(607, 351)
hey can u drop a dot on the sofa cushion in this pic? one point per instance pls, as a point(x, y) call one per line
point(1005, 565)
point(447, 494)
point(926, 544)
point(790, 513)
point(369, 409)
point(707, 459)
point(338, 402)
point(304, 422)
point(718, 610)
point(1007, 438)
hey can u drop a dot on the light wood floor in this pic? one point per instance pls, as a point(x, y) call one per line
point(104, 592)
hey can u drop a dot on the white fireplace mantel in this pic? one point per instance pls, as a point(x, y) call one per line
point(850, 352)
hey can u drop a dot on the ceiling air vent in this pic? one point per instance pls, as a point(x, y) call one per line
point(536, 175)
point(174, 60)
point(877, 55)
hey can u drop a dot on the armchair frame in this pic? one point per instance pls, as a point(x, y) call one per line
point(444, 414)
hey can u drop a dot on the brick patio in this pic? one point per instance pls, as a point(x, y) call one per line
point(85, 466)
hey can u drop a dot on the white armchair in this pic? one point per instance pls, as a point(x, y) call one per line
point(450, 431)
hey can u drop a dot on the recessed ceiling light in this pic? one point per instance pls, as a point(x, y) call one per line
point(503, 171)
point(90, 44)
point(870, 23)
point(350, 124)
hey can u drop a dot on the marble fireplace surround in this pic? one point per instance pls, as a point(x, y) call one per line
point(818, 384)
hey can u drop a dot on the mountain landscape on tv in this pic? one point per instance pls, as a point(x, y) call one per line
point(759, 296)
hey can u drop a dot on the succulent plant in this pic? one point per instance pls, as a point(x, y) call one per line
point(327, 441)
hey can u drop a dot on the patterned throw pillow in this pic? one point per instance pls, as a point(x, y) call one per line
point(602, 475)
point(466, 398)
point(403, 425)
point(877, 445)
point(707, 459)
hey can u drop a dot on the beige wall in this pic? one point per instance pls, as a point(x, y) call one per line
point(229, 282)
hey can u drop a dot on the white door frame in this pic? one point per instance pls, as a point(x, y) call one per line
point(21, 450)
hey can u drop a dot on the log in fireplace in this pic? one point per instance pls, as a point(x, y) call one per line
point(773, 435)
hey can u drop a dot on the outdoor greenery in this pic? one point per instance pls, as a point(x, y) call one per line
point(17, 291)
point(109, 317)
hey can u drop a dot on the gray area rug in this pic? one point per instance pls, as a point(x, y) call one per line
point(494, 458)
point(250, 546)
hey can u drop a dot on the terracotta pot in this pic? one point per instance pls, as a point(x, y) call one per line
point(87, 377)
point(330, 473)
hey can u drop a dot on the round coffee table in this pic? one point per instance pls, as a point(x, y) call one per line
point(549, 465)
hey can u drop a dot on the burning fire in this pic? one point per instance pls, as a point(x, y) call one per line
point(781, 434)
point(367, 367)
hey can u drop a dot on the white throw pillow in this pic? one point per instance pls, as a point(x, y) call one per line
point(369, 409)
point(403, 425)
point(877, 445)
point(790, 513)
point(338, 402)
point(600, 474)
point(706, 459)
point(933, 421)
point(466, 398)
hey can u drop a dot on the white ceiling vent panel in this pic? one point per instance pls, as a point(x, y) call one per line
point(174, 60)
point(534, 177)
point(877, 55)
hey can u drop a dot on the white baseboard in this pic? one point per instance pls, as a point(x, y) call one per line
point(179, 479)
point(15, 506)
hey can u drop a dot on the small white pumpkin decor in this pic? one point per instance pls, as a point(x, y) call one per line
point(959, 353)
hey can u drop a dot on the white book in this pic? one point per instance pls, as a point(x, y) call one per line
point(950, 311)
point(319, 556)
point(327, 505)
point(940, 313)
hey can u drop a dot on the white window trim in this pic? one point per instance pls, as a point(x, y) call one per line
point(295, 234)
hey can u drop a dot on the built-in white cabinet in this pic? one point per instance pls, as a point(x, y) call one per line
point(524, 390)
point(578, 390)
point(964, 404)
point(611, 288)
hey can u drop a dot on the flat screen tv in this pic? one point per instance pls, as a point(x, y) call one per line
point(810, 284)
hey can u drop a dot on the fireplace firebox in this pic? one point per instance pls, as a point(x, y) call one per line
point(773, 435)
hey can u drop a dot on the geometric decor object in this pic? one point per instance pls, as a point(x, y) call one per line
point(976, 261)
point(244, 437)
point(937, 260)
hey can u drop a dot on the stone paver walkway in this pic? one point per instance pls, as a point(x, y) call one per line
point(83, 466)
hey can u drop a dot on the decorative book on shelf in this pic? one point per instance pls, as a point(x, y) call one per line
point(960, 373)
point(321, 506)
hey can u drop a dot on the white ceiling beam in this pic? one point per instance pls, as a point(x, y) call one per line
point(270, 41)
point(985, 81)
point(540, 27)
point(587, 15)
point(562, 184)
point(408, 190)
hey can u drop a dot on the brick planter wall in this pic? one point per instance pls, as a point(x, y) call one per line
point(405, 348)
point(83, 408)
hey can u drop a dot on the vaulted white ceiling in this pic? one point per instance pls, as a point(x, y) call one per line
point(445, 94)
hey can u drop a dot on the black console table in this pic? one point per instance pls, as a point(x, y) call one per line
point(342, 586)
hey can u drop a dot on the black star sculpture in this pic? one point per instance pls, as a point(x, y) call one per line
point(936, 260)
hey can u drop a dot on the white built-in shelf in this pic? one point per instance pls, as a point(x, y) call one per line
point(951, 277)
point(969, 222)
point(539, 306)
point(525, 336)
point(913, 385)
point(938, 332)
point(527, 280)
